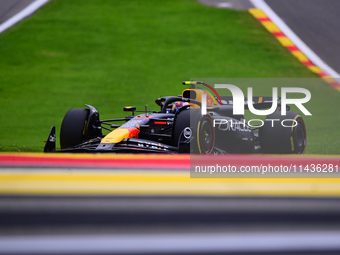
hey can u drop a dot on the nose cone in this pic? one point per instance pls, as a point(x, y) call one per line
point(119, 134)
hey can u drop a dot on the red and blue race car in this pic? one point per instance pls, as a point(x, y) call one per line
point(178, 126)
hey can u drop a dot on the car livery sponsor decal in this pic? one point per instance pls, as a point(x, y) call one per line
point(129, 129)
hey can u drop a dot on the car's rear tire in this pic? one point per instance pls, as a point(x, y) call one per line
point(73, 127)
point(283, 140)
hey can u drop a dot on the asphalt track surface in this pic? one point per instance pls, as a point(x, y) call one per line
point(317, 24)
point(91, 224)
point(49, 210)
point(89, 215)
point(9, 8)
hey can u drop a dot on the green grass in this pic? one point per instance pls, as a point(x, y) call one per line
point(111, 53)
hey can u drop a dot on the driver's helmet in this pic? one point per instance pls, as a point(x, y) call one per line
point(177, 105)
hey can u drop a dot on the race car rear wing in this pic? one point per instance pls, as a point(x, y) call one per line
point(258, 102)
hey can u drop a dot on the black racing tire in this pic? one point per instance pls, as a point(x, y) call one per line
point(185, 119)
point(73, 127)
point(205, 135)
point(284, 140)
point(201, 129)
point(182, 121)
point(187, 122)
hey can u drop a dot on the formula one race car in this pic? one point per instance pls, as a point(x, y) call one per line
point(180, 126)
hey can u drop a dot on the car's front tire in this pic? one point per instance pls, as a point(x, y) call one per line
point(73, 127)
point(205, 135)
point(190, 126)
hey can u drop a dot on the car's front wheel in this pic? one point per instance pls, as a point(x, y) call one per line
point(194, 133)
point(73, 127)
point(205, 135)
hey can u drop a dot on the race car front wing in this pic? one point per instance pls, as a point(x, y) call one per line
point(126, 145)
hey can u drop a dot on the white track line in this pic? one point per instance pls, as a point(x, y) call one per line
point(175, 243)
point(23, 14)
point(261, 4)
